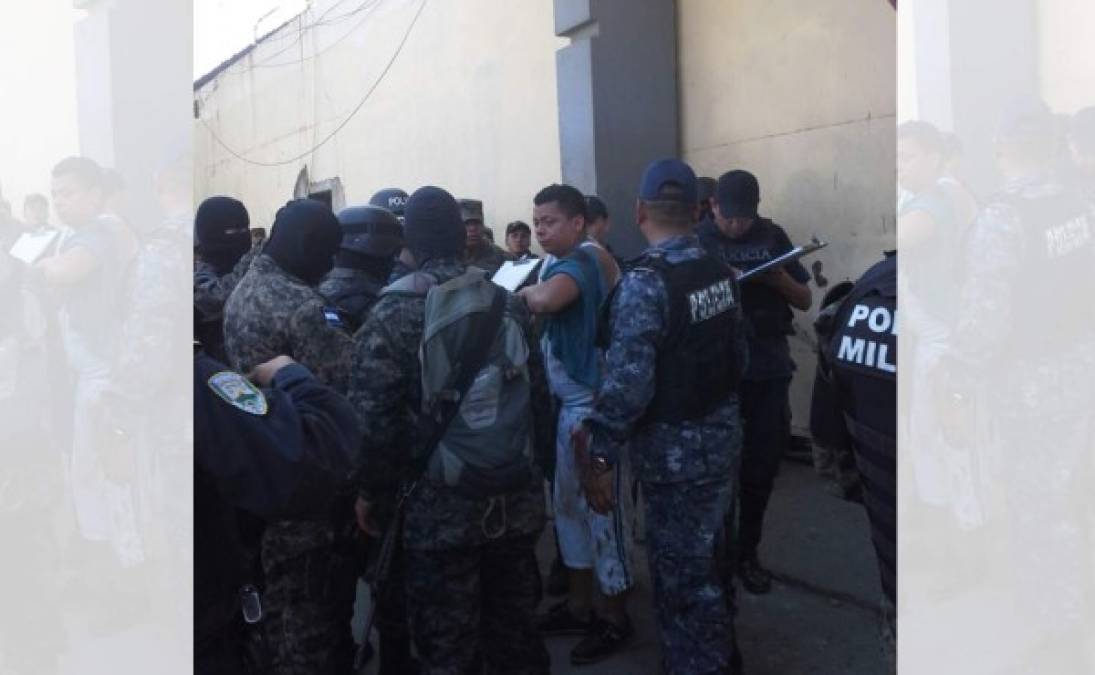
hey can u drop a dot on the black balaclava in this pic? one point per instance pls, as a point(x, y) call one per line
point(304, 239)
point(221, 228)
point(432, 228)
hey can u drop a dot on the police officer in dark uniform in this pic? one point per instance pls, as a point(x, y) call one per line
point(856, 407)
point(274, 452)
point(675, 355)
point(743, 239)
point(371, 238)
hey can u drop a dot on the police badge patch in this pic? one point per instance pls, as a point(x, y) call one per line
point(238, 392)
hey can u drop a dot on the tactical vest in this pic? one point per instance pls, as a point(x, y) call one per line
point(863, 356)
point(1058, 249)
point(765, 308)
point(698, 366)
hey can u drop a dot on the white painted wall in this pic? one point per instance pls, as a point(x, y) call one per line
point(1066, 59)
point(469, 105)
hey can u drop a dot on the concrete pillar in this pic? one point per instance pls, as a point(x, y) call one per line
point(972, 58)
point(133, 64)
point(617, 96)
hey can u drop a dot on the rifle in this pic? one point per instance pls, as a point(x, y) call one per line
point(797, 252)
point(382, 572)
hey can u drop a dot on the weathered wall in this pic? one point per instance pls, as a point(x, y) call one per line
point(803, 95)
point(469, 104)
point(1067, 61)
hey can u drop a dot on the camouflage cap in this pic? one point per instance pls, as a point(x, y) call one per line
point(471, 209)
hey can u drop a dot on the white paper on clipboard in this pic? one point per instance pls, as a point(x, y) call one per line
point(514, 273)
point(29, 247)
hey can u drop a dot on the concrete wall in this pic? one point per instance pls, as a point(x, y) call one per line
point(469, 104)
point(1067, 63)
point(803, 95)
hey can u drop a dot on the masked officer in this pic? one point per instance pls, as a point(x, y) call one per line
point(856, 407)
point(224, 251)
point(743, 239)
point(675, 356)
point(472, 582)
point(276, 309)
point(371, 238)
point(274, 452)
point(478, 250)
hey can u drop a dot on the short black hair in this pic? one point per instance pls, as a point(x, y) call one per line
point(518, 226)
point(672, 214)
point(570, 200)
point(85, 169)
point(595, 207)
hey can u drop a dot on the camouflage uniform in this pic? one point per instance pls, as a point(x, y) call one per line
point(152, 411)
point(310, 588)
point(688, 471)
point(471, 598)
point(352, 292)
point(271, 312)
point(211, 290)
point(1031, 240)
point(487, 257)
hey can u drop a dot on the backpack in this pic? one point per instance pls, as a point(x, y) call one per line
point(485, 445)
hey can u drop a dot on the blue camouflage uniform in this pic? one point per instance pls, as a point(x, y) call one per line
point(688, 469)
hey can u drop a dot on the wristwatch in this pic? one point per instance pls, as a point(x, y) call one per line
point(599, 464)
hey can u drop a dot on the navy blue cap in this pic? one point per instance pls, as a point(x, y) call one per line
point(737, 194)
point(668, 180)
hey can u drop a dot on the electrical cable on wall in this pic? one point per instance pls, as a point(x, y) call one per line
point(356, 109)
point(298, 35)
point(265, 63)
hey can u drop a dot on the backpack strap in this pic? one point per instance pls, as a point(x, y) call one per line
point(415, 283)
point(434, 422)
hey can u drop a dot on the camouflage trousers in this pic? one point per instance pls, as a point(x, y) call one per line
point(471, 609)
point(309, 599)
point(684, 524)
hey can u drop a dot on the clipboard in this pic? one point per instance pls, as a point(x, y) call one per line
point(513, 274)
point(29, 247)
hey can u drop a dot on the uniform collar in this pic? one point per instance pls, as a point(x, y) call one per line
point(678, 242)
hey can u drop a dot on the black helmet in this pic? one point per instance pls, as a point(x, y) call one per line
point(370, 230)
point(393, 199)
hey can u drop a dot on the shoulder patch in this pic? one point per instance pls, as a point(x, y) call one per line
point(237, 391)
